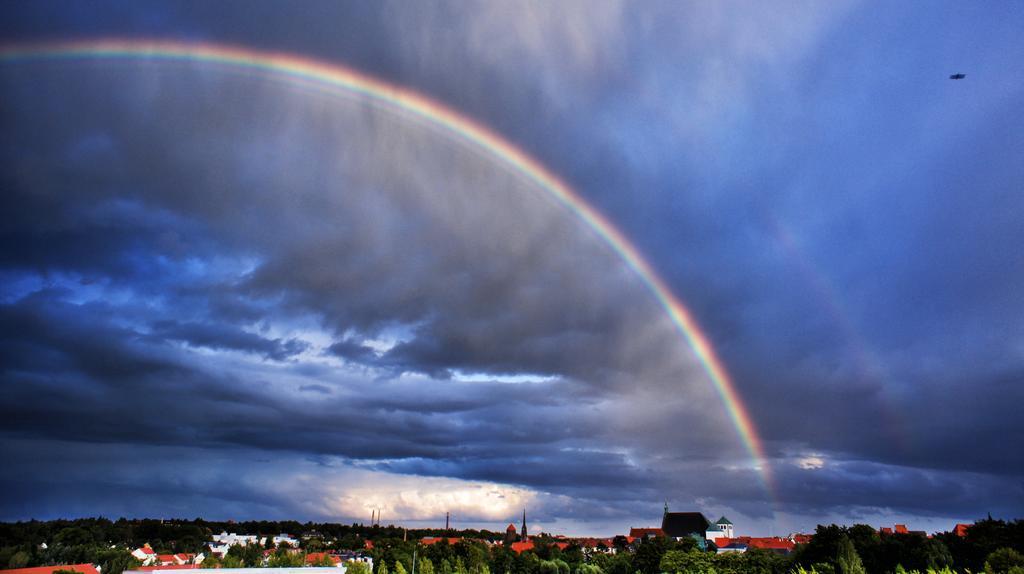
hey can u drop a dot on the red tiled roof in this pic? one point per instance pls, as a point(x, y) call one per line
point(885, 530)
point(752, 542)
point(368, 544)
point(165, 557)
point(319, 556)
point(520, 547)
point(961, 529)
point(645, 532)
point(511, 528)
point(147, 550)
point(802, 538)
point(901, 529)
point(81, 568)
point(427, 540)
point(561, 545)
point(772, 544)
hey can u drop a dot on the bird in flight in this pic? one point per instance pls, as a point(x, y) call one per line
point(957, 77)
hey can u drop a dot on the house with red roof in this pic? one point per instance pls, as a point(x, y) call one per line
point(743, 543)
point(801, 538)
point(961, 529)
point(520, 547)
point(900, 529)
point(646, 533)
point(429, 541)
point(146, 555)
point(319, 557)
point(592, 545)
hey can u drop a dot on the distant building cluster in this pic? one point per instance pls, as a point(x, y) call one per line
point(151, 560)
point(223, 541)
point(719, 536)
point(220, 544)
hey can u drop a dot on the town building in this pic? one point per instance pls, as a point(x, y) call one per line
point(744, 543)
point(644, 533)
point(679, 525)
point(146, 555)
point(720, 529)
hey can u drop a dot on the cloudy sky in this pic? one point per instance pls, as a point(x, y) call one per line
point(230, 295)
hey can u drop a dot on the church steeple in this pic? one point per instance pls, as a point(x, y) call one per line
point(523, 533)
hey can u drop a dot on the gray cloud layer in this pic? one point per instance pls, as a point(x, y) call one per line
point(213, 261)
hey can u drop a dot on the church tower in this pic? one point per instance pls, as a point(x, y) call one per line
point(523, 533)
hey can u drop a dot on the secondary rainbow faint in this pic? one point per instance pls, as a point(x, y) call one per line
point(339, 77)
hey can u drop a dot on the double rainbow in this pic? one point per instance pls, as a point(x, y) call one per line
point(334, 76)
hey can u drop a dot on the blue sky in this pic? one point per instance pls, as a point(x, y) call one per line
point(227, 296)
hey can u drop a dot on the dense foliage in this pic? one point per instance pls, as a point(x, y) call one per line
point(991, 546)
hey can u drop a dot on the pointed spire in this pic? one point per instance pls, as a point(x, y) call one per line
point(523, 533)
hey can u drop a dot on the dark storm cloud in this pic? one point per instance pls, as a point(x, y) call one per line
point(842, 224)
point(220, 336)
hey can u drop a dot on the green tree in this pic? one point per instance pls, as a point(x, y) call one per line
point(822, 548)
point(356, 567)
point(19, 559)
point(399, 569)
point(647, 559)
point(619, 564)
point(284, 559)
point(683, 562)
point(1003, 560)
point(74, 536)
point(547, 567)
point(382, 568)
point(425, 566)
point(847, 559)
point(115, 560)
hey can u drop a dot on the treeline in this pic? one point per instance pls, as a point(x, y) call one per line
point(860, 548)
point(178, 535)
point(108, 543)
point(991, 546)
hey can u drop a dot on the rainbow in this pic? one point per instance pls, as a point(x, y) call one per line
point(435, 114)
